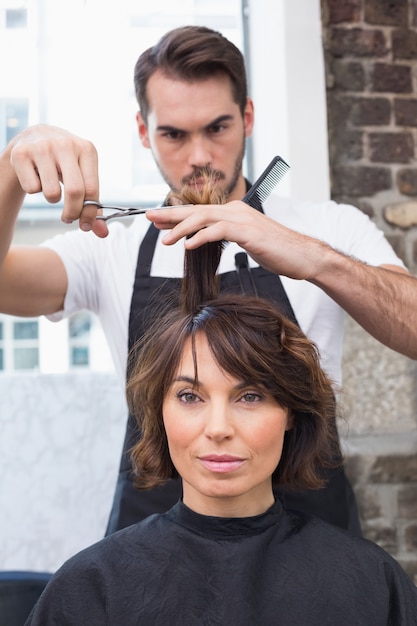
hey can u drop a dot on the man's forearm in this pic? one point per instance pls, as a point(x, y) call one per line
point(382, 300)
point(11, 199)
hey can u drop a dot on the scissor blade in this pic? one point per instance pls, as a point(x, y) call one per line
point(129, 211)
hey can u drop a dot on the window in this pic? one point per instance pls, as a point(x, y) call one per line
point(79, 327)
point(78, 87)
point(19, 344)
point(14, 114)
point(26, 345)
point(88, 89)
point(16, 18)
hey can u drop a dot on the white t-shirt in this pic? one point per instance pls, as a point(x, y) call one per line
point(101, 272)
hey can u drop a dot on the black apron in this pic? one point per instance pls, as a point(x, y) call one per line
point(334, 503)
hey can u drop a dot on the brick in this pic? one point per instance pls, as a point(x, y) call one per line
point(415, 251)
point(407, 501)
point(370, 112)
point(404, 44)
point(386, 12)
point(394, 469)
point(357, 42)
point(401, 214)
point(335, 11)
point(410, 567)
point(346, 144)
point(391, 78)
point(360, 180)
point(348, 75)
point(398, 245)
point(338, 108)
point(362, 205)
point(369, 502)
point(354, 465)
point(407, 181)
point(411, 537)
point(382, 534)
point(405, 111)
point(391, 147)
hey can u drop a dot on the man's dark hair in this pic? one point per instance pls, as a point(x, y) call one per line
point(191, 53)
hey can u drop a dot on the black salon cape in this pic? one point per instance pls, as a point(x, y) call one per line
point(184, 569)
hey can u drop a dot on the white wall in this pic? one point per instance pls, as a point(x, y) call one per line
point(288, 88)
point(60, 443)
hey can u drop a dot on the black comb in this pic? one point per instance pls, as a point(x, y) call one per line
point(266, 182)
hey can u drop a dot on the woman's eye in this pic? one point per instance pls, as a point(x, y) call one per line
point(187, 397)
point(251, 397)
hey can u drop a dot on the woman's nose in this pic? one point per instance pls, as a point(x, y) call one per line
point(219, 423)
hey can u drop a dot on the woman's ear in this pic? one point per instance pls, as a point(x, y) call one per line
point(290, 420)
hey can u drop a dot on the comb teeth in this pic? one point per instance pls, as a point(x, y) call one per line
point(266, 182)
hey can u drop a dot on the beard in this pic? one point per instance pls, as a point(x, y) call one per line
point(217, 175)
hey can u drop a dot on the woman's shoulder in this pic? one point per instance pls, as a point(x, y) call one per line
point(337, 546)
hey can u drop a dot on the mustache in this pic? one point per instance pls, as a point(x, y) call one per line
point(203, 172)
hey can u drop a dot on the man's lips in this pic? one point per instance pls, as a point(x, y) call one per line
point(221, 463)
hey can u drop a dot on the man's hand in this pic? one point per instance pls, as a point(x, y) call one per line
point(269, 243)
point(44, 157)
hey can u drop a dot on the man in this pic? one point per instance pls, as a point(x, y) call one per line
point(195, 114)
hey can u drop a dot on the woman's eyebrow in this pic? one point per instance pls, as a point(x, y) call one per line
point(184, 379)
point(242, 384)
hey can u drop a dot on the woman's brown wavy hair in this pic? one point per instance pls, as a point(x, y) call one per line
point(251, 340)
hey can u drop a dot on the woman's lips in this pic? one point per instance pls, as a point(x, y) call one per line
point(221, 463)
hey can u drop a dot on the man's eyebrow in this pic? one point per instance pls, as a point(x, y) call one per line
point(219, 120)
point(166, 128)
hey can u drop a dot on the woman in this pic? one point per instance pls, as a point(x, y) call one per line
point(230, 396)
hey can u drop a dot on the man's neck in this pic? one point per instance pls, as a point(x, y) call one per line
point(240, 190)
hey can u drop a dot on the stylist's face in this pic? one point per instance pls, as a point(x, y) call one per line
point(192, 125)
point(225, 437)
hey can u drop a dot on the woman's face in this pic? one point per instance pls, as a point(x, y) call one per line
point(225, 437)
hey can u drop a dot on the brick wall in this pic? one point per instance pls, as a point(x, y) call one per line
point(370, 52)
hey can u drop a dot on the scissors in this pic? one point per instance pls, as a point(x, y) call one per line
point(120, 211)
point(259, 191)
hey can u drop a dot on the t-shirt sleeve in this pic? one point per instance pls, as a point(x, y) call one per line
point(342, 226)
point(358, 236)
point(80, 255)
point(92, 264)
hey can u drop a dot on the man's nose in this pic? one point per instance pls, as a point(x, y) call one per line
point(199, 155)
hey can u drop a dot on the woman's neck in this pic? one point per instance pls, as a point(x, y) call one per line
point(244, 505)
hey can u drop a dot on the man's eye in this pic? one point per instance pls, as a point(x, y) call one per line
point(174, 135)
point(215, 130)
